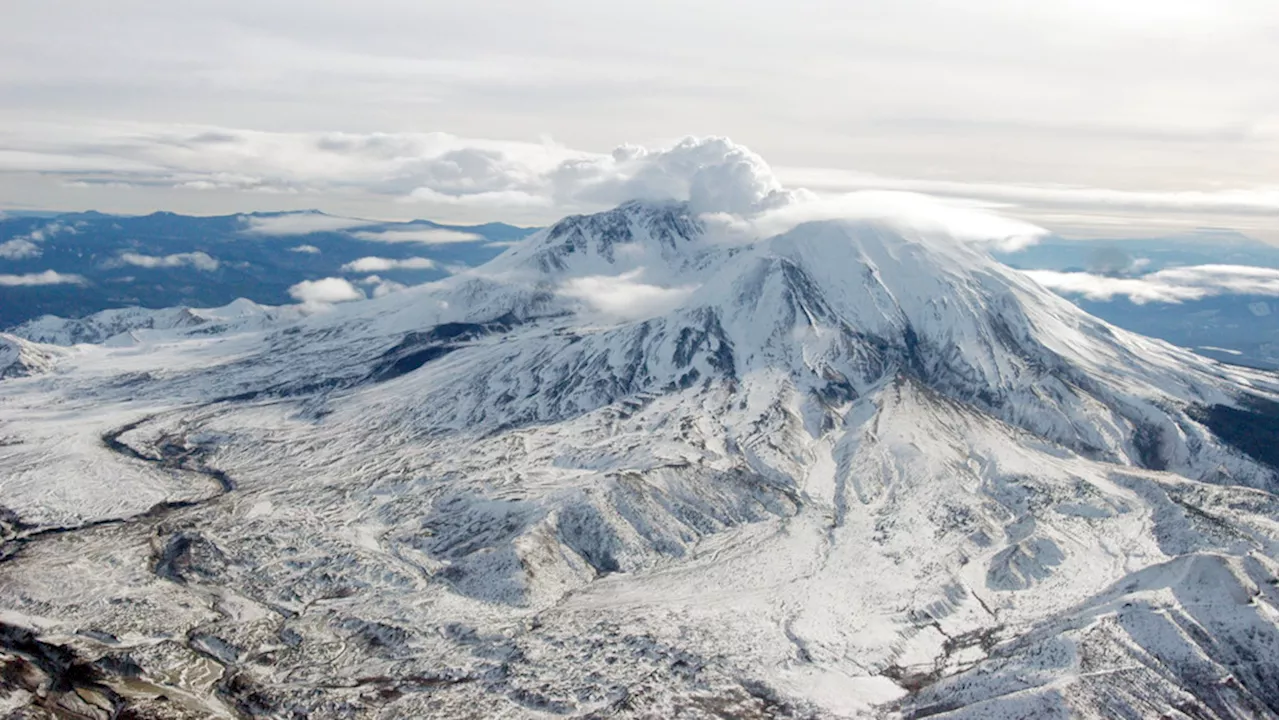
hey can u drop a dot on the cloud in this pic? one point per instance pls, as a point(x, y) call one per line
point(48, 277)
point(300, 223)
point(1022, 94)
point(308, 249)
point(624, 297)
point(908, 211)
point(19, 248)
point(489, 199)
point(325, 291)
point(713, 173)
point(520, 180)
point(380, 264)
point(22, 247)
point(1254, 201)
point(197, 260)
point(1171, 285)
point(382, 287)
point(424, 236)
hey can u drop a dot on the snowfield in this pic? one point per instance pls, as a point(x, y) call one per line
point(634, 468)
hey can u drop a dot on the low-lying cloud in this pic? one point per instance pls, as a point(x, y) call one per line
point(325, 291)
point(303, 223)
point(305, 249)
point(625, 296)
point(423, 236)
point(197, 260)
point(48, 277)
point(19, 248)
point(382, 286)
point(381, 264)
point(24, 247)
point(1171, 285)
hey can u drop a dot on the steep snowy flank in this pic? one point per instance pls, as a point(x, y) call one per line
point(637, 467)
point(19, 358)
point(654, 235)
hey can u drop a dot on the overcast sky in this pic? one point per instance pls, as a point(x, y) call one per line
point(1090, 117)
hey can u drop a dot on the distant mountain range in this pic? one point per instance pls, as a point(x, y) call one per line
point(76, 264)
point(1232, 325)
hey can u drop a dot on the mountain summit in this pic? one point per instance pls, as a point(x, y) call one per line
point(637, 466)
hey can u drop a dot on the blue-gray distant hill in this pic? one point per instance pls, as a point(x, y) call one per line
point(1227, 323)
point(74, 264)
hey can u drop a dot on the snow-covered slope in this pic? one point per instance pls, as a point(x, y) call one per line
point(634, 467)
point(19, 357)
point(118, 325)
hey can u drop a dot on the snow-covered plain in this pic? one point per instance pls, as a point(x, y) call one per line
point(633, 468)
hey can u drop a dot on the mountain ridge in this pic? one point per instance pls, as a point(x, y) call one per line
point(854, 469)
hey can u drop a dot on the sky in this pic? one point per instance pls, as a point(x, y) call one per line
point(1094, 118)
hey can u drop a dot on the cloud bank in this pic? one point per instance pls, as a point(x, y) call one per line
point(1254, 201)
point(48, 277)
point(713, 173)
point(423, 236)
point(445, 175)
point(325, 291)
point(907, 211)
point(381, 264)
point(303, 223)
point(197, 260)
point(1171, 285)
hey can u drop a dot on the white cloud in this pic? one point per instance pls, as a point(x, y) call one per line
point(542, 181)
point(300, 223)
point(382, 287)
point(1171, 285)
point(26, 246)
point(1022, 93)
point(424, 236)
point(625, 296)
point(1253, 201)
point(486, 200)
point(381, 264)
point(48, 277)
point(19, 248)
point(325, 291)
point(197, 260)
point(713, 173)
point(308, 249)
point(52, 229)
point(964, 221)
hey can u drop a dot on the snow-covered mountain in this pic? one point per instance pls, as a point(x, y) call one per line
point(119, 326)
point(19, 357)
point(640, 466)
